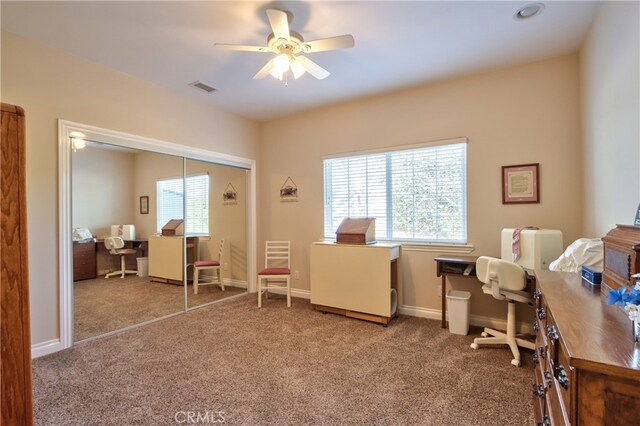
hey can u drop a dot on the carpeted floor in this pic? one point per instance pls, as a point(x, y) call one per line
point(282, 366)
point(103, 305)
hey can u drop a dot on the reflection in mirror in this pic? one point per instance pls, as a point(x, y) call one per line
point(216, 223)
point(115, 212)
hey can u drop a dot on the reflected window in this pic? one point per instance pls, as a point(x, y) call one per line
point(170, 196)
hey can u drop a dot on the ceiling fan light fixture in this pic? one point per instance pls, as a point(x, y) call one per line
point(281, 65)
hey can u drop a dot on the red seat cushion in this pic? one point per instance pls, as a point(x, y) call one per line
point(275, 271)
point(206, 263)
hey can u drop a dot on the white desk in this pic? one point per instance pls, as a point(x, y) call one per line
point(356, 280)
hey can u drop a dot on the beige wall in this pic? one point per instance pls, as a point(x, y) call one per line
point(525, 114)
point(610, 68)
point(149, 168)
point(225, 221)
point(101, 189)
point(51, 85)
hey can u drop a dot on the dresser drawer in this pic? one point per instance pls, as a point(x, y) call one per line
point(84, 261)
point(565, 381)
point(554, 408)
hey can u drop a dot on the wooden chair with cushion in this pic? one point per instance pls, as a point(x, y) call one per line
point(209, 265)
point(277, 269)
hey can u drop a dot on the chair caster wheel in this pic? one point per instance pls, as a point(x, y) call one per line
point(484, 334)
point(474, 346)
point(515, 362)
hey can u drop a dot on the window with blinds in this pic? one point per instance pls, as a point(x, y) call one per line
point(415, 194)
point(170, 195)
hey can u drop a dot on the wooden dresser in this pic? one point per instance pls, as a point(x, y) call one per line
point(15, 339)
point(84, 261)
point(587, 368)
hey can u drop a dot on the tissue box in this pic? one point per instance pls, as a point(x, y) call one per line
point(593, 277)
point(126, 232)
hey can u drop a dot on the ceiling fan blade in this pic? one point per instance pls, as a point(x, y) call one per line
point(244, 47)
point(330, 43)
point(264, 71)
point(279, 23)
point(312, 68)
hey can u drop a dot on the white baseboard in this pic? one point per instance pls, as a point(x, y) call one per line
point(45, 348)
point(479, 320)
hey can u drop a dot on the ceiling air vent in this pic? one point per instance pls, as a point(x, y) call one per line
point(203, 86)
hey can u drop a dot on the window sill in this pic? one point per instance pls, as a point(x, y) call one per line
point(443, 248)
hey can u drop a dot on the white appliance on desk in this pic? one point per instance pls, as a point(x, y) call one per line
point(126, 232)
point(538, 247)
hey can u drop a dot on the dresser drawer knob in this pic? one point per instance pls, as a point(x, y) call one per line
point(537, 294)
point(563, 379)
point(546, 421)
point(536, 326)
point(540, 313)
point(552, 332)
point(548, 376)
point(536, 360)
point(541, 352)
point(539, 391)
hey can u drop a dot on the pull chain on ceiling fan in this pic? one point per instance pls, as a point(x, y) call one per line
point(288, 46)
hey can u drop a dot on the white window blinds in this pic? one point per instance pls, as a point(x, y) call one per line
point(414, 194)
point(170, 193)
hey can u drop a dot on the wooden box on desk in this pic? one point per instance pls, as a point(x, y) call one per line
point(621, 257)
point(173, 227)
point(357, 231)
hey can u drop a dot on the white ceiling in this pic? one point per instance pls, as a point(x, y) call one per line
point(397, 44)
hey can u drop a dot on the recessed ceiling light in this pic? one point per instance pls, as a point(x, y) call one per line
point(529, 11)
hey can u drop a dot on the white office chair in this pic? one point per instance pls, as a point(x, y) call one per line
point(115, 246)
point(503, 280)
point(209, 265)
point(277, 268)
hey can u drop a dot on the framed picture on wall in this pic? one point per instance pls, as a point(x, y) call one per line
point(520, 184)
point(144, 204)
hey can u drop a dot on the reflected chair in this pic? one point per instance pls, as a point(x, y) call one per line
point(504, 280)
point(115, 245)
point(209, 265)
point(277, 269)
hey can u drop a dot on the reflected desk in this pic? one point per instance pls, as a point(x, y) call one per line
point(105, 260)
point(166, 258)
point(455, 266)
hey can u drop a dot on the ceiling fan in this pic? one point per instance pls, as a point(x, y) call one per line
point(288, 46)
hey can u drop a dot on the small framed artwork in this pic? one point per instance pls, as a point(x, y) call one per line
point(144, 204)
point(289, 191)
point(520, 184)
point(230, 195)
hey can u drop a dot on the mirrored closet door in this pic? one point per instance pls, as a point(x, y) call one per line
point(121, 197)
point(216, 230)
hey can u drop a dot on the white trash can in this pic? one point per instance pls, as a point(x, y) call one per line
point(459, 307)
point(143, 266)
